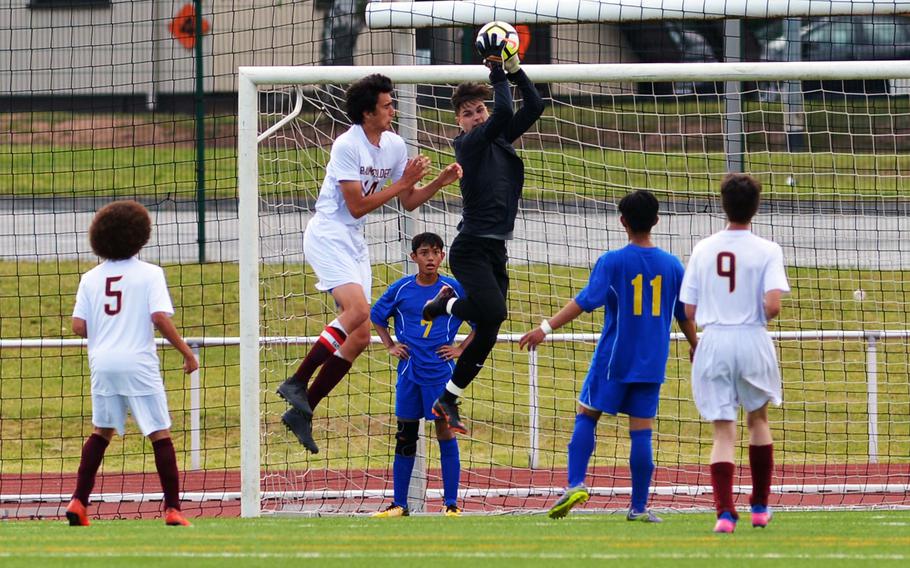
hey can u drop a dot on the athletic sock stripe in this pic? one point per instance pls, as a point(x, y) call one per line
point(339, 335)
point(328, 339)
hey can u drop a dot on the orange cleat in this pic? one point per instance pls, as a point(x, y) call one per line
point(174, 518)
point(76, 514)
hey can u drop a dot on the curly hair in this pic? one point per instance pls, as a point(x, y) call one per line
point(467, 92)
point(639, 209)
point(740, 195)
point(363, 95)
point(120, 229)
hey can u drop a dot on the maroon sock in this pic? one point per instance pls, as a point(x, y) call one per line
point(166, 463)
point(761, 460)
point(329, 376)
point(330, 340)
point(722, 482)
point(92, 454)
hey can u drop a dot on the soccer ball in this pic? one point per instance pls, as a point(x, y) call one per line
point(502, 31)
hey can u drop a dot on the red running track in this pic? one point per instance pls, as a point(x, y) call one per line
point(681, 487)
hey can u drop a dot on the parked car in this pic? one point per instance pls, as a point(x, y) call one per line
point(672, 41)
point(861, 38)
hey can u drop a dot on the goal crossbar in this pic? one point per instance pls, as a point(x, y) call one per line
point(590, 73)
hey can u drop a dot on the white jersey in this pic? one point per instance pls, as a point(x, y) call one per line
point(728, 275)
point(354, 158)
point(117, 299)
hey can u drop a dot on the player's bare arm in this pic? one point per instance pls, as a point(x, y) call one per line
point(165, 326)
point(690, 311)
point(772, 303)
point(79, 327)
point(688, 329)
point(451, 352)
point(399, 350)
point(360, 204)
point(536, 336)
point(417, 196)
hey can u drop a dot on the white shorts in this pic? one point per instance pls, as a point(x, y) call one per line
point(734, 366)
point(149, 411)
point(338, 254)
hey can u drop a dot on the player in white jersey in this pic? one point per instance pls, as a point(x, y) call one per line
point(363, 160)
point(119, 304)
point(732, 288)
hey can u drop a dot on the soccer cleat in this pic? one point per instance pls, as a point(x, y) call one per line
point(726, 523)
point(761, 516)
point(302, 427)
point(437, 306)
point(449, 411)
point(646, 516)
point(573, 496)
point(452, 511)
point(76, 514)
point(392, 510)
point(294, 392)
point(174, 518)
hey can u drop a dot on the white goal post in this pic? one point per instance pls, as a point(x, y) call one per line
point(250, 79)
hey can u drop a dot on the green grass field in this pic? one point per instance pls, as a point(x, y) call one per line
point(823, 539)
point(589, 150)
point(45, 407)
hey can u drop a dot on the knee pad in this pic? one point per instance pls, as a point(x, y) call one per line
point(406, 438)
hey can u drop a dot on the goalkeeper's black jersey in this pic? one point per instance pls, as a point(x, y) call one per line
point(493, 172)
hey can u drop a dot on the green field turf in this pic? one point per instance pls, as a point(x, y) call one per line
point(567, 173)
point(823, 539)
point(45, 405)
point(599, 151)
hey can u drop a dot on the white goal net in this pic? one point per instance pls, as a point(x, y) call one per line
point(836, 203)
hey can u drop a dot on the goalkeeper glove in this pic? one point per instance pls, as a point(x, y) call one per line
point(511, 64)
point(489, 47)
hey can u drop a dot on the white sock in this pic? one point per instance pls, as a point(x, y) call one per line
point(337, 325)
point(454, 389)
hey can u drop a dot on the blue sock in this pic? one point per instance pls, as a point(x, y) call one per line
point(581, 446)
point(641, 464)
point(451, 470)
point(401, 478)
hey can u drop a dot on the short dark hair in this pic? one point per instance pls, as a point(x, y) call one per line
point(467, 92)
point(739, 195)
point(120, 229)
point(363, 95)
point(639, 209)
point(428, 239)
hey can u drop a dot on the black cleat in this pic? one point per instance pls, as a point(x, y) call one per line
point(449, 411)
point(437, 306)
point(294, 392)
point(302, 427)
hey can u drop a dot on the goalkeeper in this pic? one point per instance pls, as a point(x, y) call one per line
point(490, 189)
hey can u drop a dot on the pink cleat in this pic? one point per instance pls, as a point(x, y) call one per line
point(761, 516)
point(726, 523)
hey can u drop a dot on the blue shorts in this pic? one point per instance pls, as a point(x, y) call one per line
point(638, 400)
point(414, 401)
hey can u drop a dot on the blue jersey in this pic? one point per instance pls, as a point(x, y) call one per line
point(404, 300)
point(639, 289)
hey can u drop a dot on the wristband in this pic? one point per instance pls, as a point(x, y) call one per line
point(545, 327)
